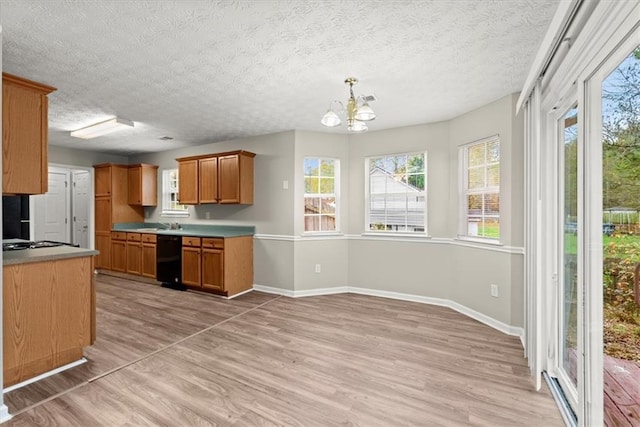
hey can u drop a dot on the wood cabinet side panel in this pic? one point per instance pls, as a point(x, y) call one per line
point(121, 211)
point(246, 180)
point(238, 264)
point(46, 315)
point(22, 127)
point(134, 182)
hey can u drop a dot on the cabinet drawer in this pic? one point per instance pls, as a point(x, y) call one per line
point(149, 238)
point(133, 237)
point(191, 241)
point(118, 235)
point(213, 243)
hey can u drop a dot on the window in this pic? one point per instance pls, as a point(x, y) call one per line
point(320, 194)
point(480, 202)
point(396, 193)
point(170, 204)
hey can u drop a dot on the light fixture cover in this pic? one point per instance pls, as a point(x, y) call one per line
point(102, 128)
point(331, 119)
point(365, 113)
point(357, 110)
point(357, 126)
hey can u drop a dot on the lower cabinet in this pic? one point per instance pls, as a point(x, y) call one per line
point(149, 255)
point(213, 264)
point(134, 254)
point(191, 261)
point(220, 265)
point(119, 251)
point(103, 246)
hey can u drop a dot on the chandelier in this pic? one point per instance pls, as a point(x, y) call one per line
point(357, 112)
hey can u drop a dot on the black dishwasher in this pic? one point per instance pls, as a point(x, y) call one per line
point(169, 261)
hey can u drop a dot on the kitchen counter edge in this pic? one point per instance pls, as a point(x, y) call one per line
point(44, 254)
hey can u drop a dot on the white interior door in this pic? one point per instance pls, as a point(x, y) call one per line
point(52, 209)
point(80, 206)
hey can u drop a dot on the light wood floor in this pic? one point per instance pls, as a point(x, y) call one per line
point(264, 360)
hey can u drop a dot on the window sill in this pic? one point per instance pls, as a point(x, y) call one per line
point(322, 234)
point(174, 214)
point(393, 235)
point(480, 240)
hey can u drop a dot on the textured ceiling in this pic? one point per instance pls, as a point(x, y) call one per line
point(207, 71)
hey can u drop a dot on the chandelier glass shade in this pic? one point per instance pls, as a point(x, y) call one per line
point(357, 111)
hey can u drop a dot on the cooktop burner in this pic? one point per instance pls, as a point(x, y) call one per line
point(18, 246)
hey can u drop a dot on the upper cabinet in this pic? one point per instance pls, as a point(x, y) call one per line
point(24, 135)
point(216, 178)
point(143, 185)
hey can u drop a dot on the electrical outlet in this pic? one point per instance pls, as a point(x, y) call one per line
point(317, 268)
point(285, 185)
point(494, 291)
point(207, 215)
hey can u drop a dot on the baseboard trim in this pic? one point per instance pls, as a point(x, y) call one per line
point(480, 317)
point(4, 414)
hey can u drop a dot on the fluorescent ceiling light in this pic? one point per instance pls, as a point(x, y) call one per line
point(102, 128)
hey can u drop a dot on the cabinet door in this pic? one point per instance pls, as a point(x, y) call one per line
point(24, 137)
point(149, 195)
point(229, 179)
point(149, 260)
point(103, 246)
point(213, 269)
point(118, 255)
point(208, 188)
point(103, 181)
point(134, 258)
point(188, 182)
point(103, 214)
point(134, 181)
point(191, 263)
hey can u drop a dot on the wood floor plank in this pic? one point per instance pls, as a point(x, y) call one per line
point(330, 360)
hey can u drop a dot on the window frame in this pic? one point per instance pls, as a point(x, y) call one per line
point(335, 195)
point(464, 192)
point(367, 194)
point(166, 196)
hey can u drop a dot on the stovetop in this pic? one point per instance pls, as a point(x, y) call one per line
point(18, 246)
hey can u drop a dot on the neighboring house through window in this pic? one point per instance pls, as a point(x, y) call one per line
point(396, 193)
point(321, 200)
point(480, 166)
point(170, 204)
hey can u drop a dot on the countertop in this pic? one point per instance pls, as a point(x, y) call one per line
point(44, 254)
point(196, 230)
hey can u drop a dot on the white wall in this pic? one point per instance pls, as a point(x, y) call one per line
point(74, 157)
point(438, 266)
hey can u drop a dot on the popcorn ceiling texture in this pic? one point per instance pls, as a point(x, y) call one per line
point(207, 71)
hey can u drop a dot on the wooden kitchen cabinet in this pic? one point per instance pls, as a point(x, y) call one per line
point(235, 178)
point(119, 251)
point(134, 254)
point(213, 264)
point(149, 242)
point(191, 261)
point(143, 185)
point(225, 178)
point(208, 180)
point(24, 135)
point(111, 206)
point(188, 182)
